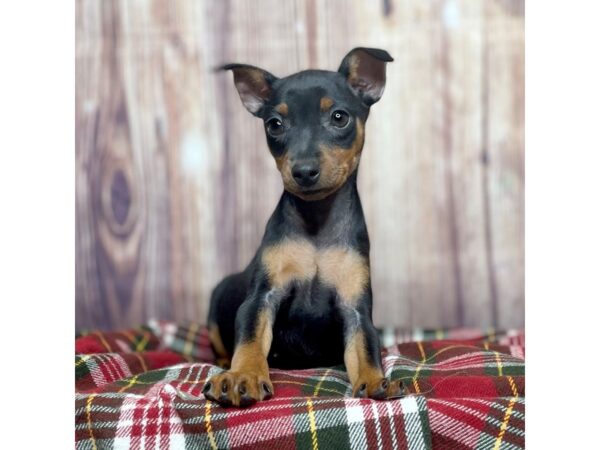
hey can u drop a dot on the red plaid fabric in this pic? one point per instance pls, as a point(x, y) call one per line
point(467, 392)
point(126, 341)
point(482, 423)
point(150, 420)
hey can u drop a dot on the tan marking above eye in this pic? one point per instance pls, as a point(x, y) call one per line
point(342, 268)
point(326, 103)
point(282, 109)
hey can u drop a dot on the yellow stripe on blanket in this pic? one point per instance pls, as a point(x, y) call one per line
point(313, 423)
point(504, 425)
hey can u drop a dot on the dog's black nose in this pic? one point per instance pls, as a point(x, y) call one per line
point(306, 173)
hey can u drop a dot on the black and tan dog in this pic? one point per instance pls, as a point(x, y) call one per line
point(305, 299)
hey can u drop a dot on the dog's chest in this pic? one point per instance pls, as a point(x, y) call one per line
point(308, 330)
point(299, 260)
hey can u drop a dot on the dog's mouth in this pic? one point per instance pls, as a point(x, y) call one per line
point(313, 194)
point(324, 188)
point(315, 191)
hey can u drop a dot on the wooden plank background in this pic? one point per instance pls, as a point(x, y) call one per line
point(174, 182)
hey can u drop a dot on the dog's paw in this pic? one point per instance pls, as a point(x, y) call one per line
point(237, 388)
point(379, 389)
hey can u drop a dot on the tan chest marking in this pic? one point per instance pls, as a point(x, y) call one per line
point(290, 260)
point(342, 268)
point(346, 270)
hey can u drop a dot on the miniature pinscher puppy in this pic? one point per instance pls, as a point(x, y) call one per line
point(305, 298)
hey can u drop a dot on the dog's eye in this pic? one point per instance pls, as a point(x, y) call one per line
point(339, 118)
point(275, 127)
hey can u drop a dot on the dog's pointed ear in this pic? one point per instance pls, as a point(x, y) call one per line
point(254, 85)
point(364, 69)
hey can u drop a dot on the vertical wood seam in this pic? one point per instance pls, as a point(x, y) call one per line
point(449, 181)
point(487, 220)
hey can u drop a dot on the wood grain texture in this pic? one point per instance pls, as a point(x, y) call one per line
point(174, 182)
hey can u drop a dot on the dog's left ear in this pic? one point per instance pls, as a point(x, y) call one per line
point(364, 69)
point(253, 84)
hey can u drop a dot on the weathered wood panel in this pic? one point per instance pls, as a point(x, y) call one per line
point(174, 182)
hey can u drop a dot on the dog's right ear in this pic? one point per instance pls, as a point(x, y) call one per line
point(364, 69)
point(253, 84)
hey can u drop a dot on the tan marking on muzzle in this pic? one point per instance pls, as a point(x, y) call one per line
point(337, 163)
point(284, 166)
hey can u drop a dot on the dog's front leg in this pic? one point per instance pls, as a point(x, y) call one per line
point(248, 379)
point(362, 357)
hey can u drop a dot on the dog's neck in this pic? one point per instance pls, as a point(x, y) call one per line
point(316, 216)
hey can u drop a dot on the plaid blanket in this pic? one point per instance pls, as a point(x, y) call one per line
point(141, 389)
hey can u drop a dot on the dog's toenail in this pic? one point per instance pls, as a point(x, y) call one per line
point(207, 387)
point(362, 387)
point(242, 388)
point(266, 388)
point(384, 384)
point(224, 386)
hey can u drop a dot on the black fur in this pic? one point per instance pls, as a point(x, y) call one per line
point(310, 326)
